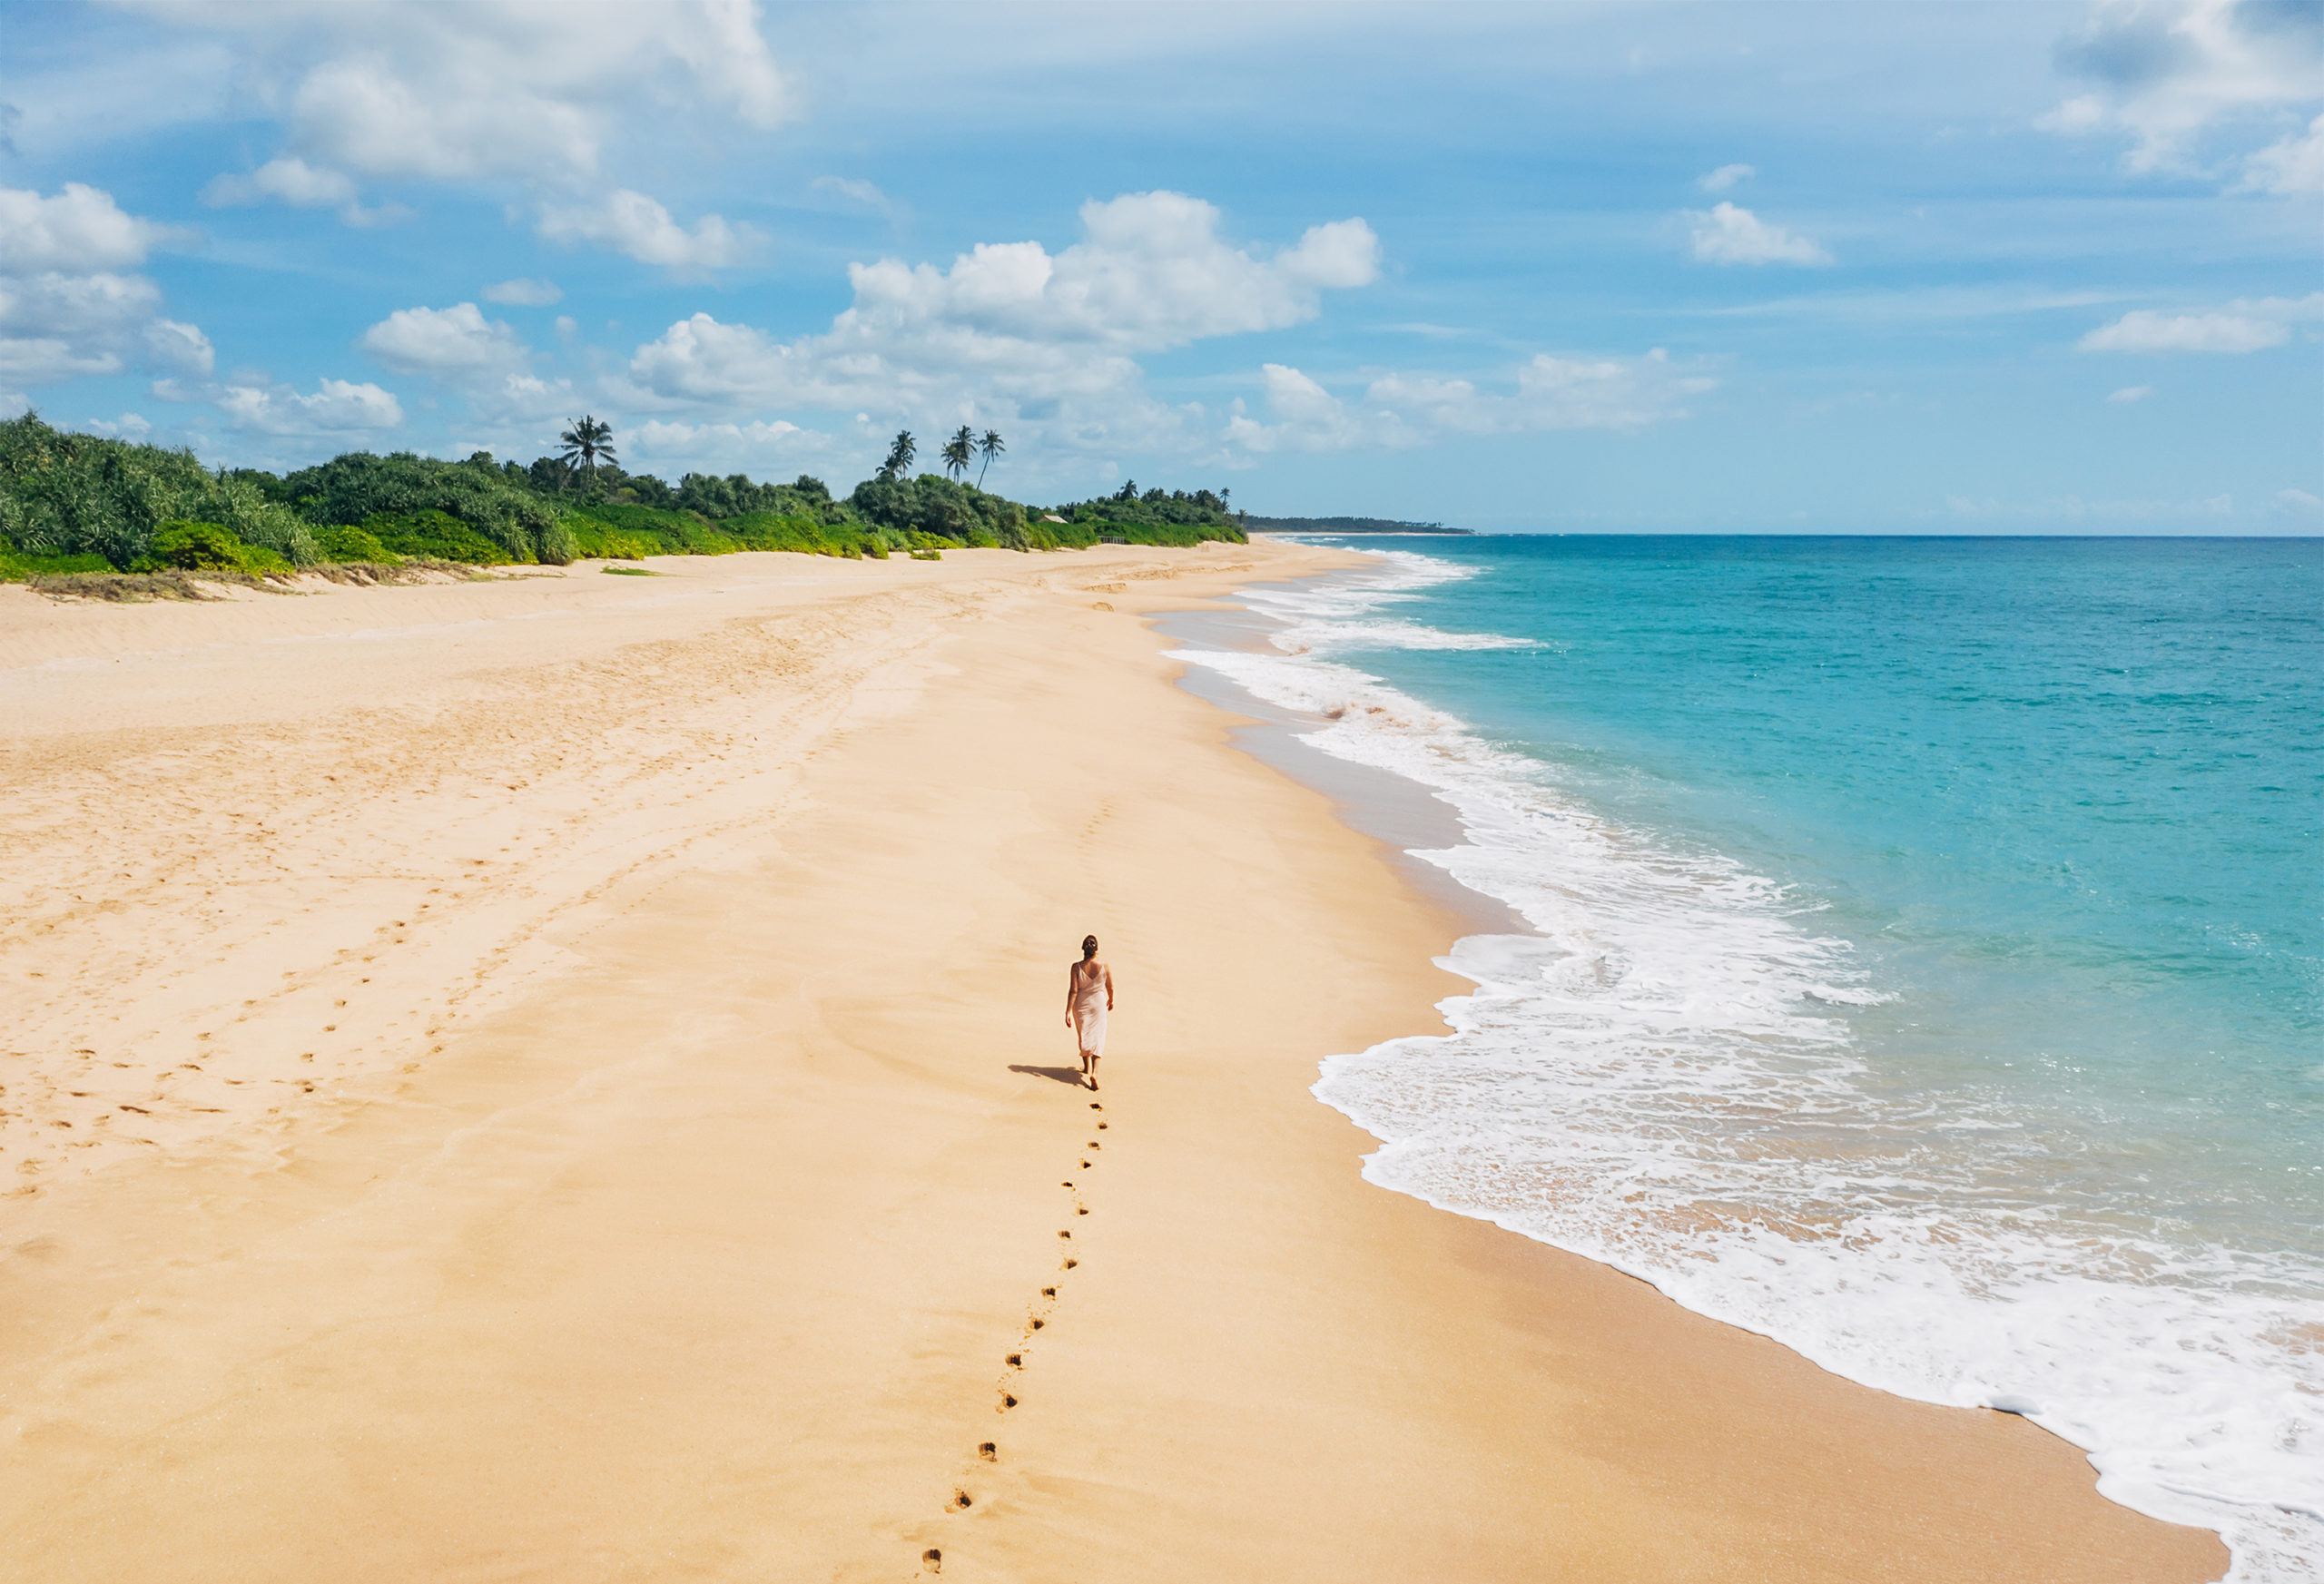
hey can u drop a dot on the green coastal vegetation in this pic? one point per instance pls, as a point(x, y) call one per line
point(75, 503)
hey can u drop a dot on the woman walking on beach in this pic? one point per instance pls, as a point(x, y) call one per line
point(1089, 997)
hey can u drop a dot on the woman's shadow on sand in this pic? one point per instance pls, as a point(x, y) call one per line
point(1063, 1075)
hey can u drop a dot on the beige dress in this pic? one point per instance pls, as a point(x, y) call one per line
point(1089, 1008)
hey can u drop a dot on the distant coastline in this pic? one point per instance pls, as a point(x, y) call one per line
point(1341, 525)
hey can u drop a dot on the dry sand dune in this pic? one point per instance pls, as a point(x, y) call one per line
point(564, 1078)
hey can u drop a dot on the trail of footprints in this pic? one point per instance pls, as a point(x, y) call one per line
point(1014, 1364)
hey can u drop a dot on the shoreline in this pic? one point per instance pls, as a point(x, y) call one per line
point(689, 1231)
point(1603, 1039)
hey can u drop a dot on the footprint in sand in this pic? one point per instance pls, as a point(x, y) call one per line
point(988, 1451)
point(932, 1560)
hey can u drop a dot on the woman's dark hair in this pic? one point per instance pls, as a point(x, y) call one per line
point(1088, 946)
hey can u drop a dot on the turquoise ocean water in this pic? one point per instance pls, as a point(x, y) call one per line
point(1925, 962)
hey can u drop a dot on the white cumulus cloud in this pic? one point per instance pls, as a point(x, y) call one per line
point(1728, 234)
point(632, 223)
point(2163, 72)
point(1544, 393)
point(81, 228)
point(522, 292)
point(1152, 273)
point(292, 181)
point(2296, 164)
point(1552, 393)
point(446, 343)
point(180, 348)
point(512, 87)
point(66, 308)
point(1725, 178)
point(2245, 326)
point(284, 180)
point(694, 445)
point(1011, 330)
point(335, 407)
point(523, 402)
point(129, 426)
point(2145, 330)
point(2129, 394)
point(56, 327)
point(1307, 417)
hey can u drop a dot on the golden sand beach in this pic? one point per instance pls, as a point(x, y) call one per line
point(561, 1079)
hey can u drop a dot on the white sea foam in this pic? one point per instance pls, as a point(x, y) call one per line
point(1322, 638)
point(1663, 1079)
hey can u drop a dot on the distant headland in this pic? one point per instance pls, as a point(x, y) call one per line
point(1341, 525)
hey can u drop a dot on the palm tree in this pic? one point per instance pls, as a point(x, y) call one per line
point(899, 456)
point(992, 447)
point(589, 442)
point(959, 453)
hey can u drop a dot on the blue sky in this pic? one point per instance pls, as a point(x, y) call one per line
point(1853, 267)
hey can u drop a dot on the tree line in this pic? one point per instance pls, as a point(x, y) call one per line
point(74, 502)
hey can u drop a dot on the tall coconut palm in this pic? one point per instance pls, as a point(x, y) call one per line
point(899, 456)
point(588, 442)
point(959, 453)
point(992, 447)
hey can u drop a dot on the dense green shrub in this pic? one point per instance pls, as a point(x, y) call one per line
point(341, 543)
point(17, 566)
point(736, 495)
point(1099, 530)
point(206, 547)
point(193, 546)
point(624, 529)
point(812, 535)
point(653, 530)
point(599, 542)
point(79, 496)
point(554, 544)
point(1175, 508)
point(354, 489)
point(1155, 517)
point(939, 507)
point(437, 536)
